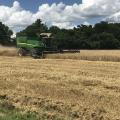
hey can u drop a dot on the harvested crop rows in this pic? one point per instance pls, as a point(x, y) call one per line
point(62, 89)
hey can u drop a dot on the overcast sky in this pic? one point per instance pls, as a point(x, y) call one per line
point(62, 13)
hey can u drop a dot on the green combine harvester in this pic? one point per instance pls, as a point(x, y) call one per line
point(38, 46)
point(34, 46)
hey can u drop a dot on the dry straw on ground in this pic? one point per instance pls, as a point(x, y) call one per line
point(62, 89)
point(8, 51)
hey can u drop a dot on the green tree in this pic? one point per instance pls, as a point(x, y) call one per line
point(108, 41)
point(5, 34)
point(34, 29)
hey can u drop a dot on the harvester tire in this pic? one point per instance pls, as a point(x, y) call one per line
point(21, 52)
point(34, 53)
point(42, 55)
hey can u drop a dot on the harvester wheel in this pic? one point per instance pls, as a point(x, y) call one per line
point(42, 55)
point(21, 52)
point(36, 54)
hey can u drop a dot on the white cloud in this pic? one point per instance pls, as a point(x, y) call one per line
point(16, 5)
point(64, 16)
point(15, 17)
point(115, 18)
point(86, 23)
point(88, 2)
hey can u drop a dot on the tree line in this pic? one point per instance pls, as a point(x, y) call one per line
point(5, 34)
point(102, 35)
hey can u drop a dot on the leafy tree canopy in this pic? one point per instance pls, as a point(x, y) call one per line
point(102, 35)
point(5, 34)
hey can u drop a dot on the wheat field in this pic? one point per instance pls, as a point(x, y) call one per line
point(62, 89)
point(91, 55)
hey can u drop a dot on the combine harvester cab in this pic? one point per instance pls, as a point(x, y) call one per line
point(33, 46)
